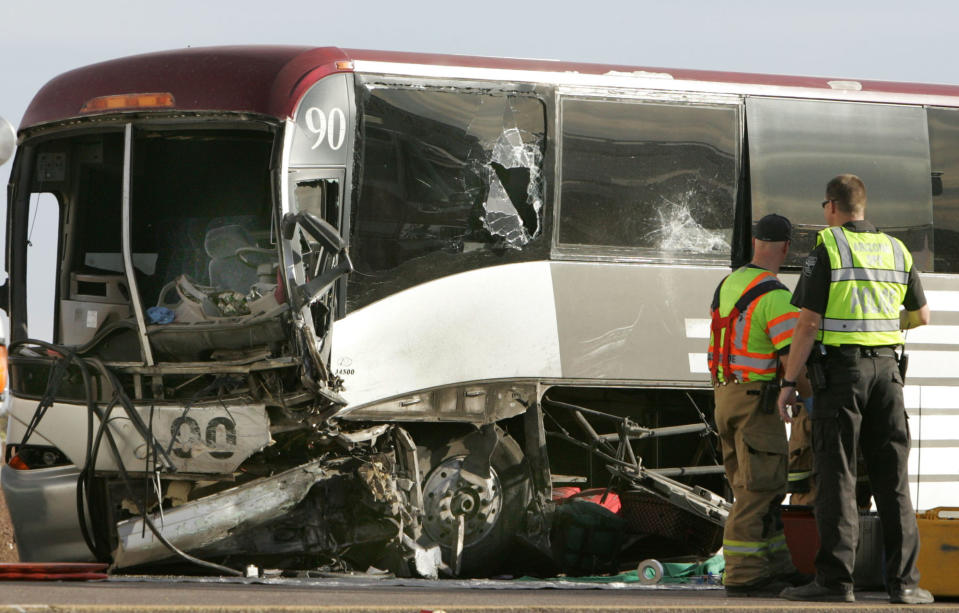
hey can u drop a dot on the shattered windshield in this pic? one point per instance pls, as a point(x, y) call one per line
point(450, 181)
point(655, 178)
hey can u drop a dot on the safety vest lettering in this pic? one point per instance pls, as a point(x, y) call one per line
point(873, 300)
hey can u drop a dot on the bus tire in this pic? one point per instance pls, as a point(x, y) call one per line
point(493, 508)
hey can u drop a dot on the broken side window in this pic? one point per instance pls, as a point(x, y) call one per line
point(658, 179)
point(450, 181)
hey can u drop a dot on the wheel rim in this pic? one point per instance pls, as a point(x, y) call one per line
point(447, 496)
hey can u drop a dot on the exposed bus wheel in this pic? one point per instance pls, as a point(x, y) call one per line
point(481, 480)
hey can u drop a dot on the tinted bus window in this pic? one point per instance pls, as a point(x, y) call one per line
point(797, 146)
point(657, 178)
point(944, 149)
point(450, 181)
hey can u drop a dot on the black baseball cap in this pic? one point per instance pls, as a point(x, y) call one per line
point(773, 228)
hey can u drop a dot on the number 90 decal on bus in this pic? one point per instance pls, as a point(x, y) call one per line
point(323, 124)
point(331, 125)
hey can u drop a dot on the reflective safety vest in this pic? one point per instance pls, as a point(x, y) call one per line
point(751, 320)
point(869, 279)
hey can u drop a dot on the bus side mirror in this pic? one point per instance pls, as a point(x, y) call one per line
point(337, 261)
point(321, 231)
point(8, 140)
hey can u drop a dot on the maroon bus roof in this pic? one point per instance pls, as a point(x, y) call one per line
point(269, 80)
point(243, 79)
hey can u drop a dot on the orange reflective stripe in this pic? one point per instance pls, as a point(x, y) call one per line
point(777, 320)
point(781, 328)
point(759, 279)
point(781, 337)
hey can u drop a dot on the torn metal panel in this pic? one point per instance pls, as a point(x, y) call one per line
point(204, 522)
point(428, 560)
point(367, 435)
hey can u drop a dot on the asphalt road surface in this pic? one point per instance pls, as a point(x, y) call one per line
point(344, 595)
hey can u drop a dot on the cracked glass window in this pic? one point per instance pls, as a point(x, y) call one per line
point(657, 178)
point(449, 181)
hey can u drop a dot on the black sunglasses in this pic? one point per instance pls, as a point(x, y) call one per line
point(827, 201)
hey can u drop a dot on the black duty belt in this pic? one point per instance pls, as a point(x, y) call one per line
point(861, 351)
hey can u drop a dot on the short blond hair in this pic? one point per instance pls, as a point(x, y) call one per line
point(849, 193)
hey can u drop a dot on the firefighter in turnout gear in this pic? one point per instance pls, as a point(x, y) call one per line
point(802, 483)
point(751, 329)
point(849, 328)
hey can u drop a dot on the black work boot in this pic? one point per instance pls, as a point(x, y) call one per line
point(910, 595)
point(796, 578)
point(768, 587)
point(819, 593)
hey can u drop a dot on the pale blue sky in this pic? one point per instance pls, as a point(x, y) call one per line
point(877, 39)
point(881, 39)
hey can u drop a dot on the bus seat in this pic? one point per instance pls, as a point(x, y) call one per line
point(227, 270)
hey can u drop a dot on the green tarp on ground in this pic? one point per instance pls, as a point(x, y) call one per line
point(708, 571)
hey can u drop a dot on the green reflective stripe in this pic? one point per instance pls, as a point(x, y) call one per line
point(744, 551)
point(842, 246)
point(799, 476)
point(744, 547)
point(870, 274)
point(774, 547)
point(860, 325)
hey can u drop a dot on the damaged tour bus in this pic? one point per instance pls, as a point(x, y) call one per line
point(329, 308)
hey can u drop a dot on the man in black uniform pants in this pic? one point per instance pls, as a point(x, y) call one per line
point(849, 293)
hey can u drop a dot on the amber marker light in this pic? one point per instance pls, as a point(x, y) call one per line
point(17, 463)
point(344, 65)
point(118, 102)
